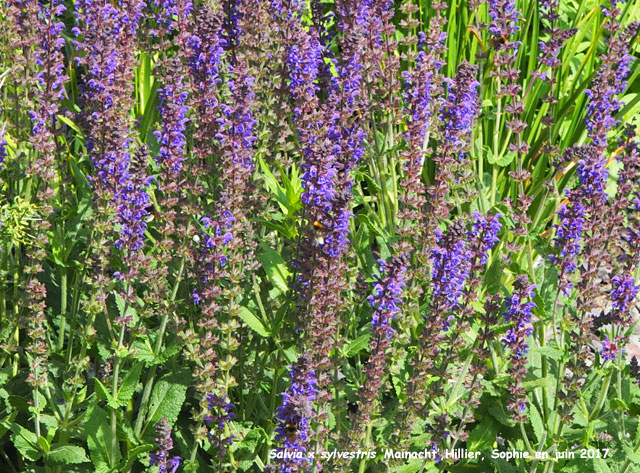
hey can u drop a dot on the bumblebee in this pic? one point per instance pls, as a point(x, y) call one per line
point(498, 41)
point(319, 228)
point(292, 430)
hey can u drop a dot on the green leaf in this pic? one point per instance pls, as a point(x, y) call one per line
point(546, 382)
point(276, 189)
point(616, 403)
point(134, 453)
point(356, 345)
point(65, 454)
point(483, 435)
point(122, 304)
point(493, 276)
point(99, 440)
point(80, 179)
point(412, 467)
point(275, 267)
point(503, 466)
point(69, 123)
point(548, 351)
point(26, 442)
point(129, 383)
point(144, 351)
point(536, 422)
point(503, 160)
point(167, 398)
point(632, 455)
point(44, 443)
point(5, 423)
point(253, 322)
point(600, 466)
point(104, 394)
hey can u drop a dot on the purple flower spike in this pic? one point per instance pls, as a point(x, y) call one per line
point(219, 415)
point(459, 108)
point(165, 443)
point(518, 313)
point(610, 349)
point(485, 229)
point(294, 417)
point(623, 295)
point(3, 147)
point(450, 269)
point(386, 297)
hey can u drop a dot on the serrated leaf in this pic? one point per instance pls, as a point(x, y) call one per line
point(412, 467)
point(483, 435)
point(632, 455)
point(134, 453)
point(167, 399)
point(275, 267)
point(600, 466)
point(356, 345)
point(5, 423)
point(122, 304)
point(536, 422)
point(503, 466)
point(253, 322)
point(170, 350)
point(104, 394)
point(493, 276)
point(617, 404)
point(65, 454)
point(44, 443)
point(503, 160)
point(129, 383)
point(26, 442)
point(144, 352)
point(546, 382)
point(549, 352)
point(99, 440)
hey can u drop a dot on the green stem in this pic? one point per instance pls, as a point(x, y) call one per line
point(63, 307)
point(116, 375)
point(601, 398)
point(146, 394)
point(363, 461)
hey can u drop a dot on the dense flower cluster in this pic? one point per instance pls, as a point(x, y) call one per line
point(623, 295)
point(386, 298)
point(107, 55)
point(567, 240)
point(388, 292)
point(218, 416)
point(610, 81)
point(51, 76)
point(459, 107)
point(610, 348)
point(164, 442)
point(450, 269)
point(578, 214)
point(518, 314)
point(504, 17)
point(3, 147)
point(485, 230)
point(295, 416)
